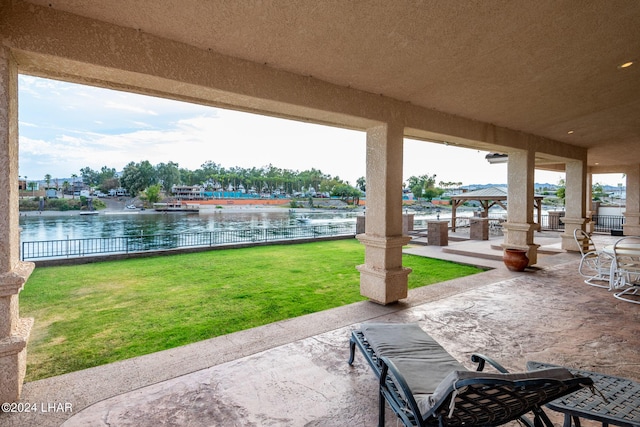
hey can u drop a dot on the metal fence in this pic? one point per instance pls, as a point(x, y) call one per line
point(601, 223)
point(606, 223)
point(75, 248)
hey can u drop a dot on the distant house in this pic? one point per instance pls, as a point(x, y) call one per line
point(118, 192)
point(188, 192)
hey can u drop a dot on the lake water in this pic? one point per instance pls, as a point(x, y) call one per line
point(37, 227)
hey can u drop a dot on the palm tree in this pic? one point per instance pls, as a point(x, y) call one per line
point(73, 190)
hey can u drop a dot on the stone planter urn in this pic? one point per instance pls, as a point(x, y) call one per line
point(515, 259)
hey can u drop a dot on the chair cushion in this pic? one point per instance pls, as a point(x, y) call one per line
point(427, 401)
point(421, 360)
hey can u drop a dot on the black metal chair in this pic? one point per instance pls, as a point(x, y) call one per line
point(462, 398)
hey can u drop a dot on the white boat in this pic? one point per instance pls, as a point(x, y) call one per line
point(176, 207)
point(130, 207)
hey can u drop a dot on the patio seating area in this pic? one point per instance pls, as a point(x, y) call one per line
point(295, 372)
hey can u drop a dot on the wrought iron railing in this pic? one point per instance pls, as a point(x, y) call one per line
point(602, 223)
point(74, 248)
point(606, 223)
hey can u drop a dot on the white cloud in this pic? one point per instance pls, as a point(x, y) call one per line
point(128, 107)
point(112, 128)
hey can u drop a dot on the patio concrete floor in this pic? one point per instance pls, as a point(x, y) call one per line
point(295, 372)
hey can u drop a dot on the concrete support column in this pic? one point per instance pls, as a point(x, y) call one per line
point(575, 203)
point(520, 226)
point(589, 226)
point(631, 214)
point(14, 331)
point(382, 277)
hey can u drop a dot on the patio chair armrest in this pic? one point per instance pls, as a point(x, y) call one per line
point(481, 359)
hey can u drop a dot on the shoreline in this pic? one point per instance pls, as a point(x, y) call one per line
point(226, 209)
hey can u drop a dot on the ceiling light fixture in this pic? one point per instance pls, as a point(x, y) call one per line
point(493, 158)
point(570, 132)
point(626, 65)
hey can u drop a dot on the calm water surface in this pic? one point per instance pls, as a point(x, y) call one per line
point(115, 224)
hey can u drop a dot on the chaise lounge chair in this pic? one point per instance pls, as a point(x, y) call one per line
point(425, 386)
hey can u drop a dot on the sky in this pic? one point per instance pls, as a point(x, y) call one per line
point(64, 127)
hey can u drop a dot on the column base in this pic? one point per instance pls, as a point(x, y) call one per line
point(520, 236)
point(14, 332)
point(13, 361)
point(383, 286)
point(570, 225)
point(382, 278)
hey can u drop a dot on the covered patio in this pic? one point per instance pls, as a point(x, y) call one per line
point(295, 373)
point(552, 85)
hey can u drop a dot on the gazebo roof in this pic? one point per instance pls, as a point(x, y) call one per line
point(489, 193)
point(488, 197)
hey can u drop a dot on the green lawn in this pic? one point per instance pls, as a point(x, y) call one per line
point(92, 314)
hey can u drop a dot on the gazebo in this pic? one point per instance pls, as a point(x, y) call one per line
point(489, 197)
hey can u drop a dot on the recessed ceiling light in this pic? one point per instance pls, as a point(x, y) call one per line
point(570, 132)
point(626, 65)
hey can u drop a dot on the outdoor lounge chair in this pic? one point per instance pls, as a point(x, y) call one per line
point(425, 386)
point(595, 265)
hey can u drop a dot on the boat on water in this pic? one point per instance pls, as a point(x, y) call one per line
point(176, 207)
point(89, 213)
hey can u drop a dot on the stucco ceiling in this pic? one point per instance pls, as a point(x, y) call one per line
point(546, 67)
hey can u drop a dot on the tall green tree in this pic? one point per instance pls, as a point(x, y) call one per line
point(561, 191)
point(89, 176)
point(347, 193)
point(423, 186)
point(152, 193)
point(597, 192)
point(138, 176)
point(73, 185)
point(168, 175)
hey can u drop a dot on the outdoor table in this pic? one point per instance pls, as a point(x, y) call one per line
point(621, 408)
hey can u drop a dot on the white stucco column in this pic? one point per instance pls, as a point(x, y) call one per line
point(382, 277)
point(14, 331)
point(575, 202)
point(589, 226)
point(520, 226)
point(631, 213)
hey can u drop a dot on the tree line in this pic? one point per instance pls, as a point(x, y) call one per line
point(139, 177)
point(143, 177)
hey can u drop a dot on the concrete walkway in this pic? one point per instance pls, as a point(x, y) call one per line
point(294, 373)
